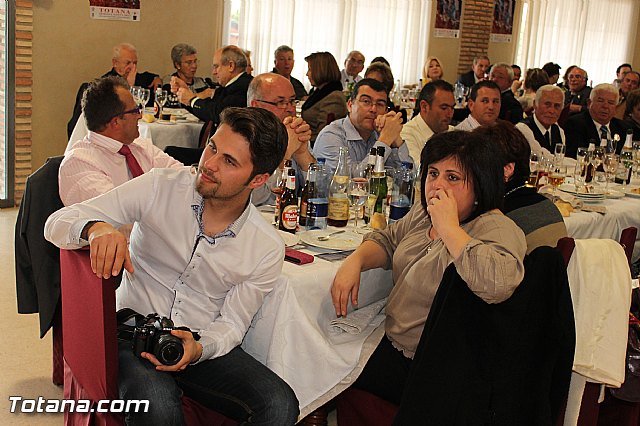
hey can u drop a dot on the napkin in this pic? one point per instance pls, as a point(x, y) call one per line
point(357, 320)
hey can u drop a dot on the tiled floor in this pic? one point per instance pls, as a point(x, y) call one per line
point(25, 359)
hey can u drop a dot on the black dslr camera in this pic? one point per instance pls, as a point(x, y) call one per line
point(153, 334)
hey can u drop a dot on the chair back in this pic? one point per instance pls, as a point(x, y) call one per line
point(628, 240)
point(89, 332)
point(566, 245)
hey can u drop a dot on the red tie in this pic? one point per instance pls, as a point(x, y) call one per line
point(132, 163)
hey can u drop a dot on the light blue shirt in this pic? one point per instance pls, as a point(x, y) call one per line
point(342, 133)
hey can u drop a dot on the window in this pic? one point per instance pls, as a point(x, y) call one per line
point(597, 35)
point(397, 30)
point(6, 100)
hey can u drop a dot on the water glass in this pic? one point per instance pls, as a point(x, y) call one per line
point(534, 159)
point(559, 151)
point(610, 165)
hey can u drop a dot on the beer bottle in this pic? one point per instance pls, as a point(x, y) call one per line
point(279, 188)
point(289, 205)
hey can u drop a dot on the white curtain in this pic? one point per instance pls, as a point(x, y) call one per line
point(395, 29)
point(597, 35)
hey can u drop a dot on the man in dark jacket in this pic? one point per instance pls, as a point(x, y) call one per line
point(229, 65)
point(510, 109)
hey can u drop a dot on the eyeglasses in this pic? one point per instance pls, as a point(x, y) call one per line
point(368, 102)
point(189, 63)
point(283, 104)
point(135, 110)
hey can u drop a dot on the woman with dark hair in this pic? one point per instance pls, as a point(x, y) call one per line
point(535, 214)
point(632, 113)
point(534, 79)
point(326, 102)
point(458, 221)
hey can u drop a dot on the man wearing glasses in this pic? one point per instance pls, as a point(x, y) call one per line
point(111, 153)
point(367, 125)
point(353, 66)
point(579, 92)
point(228, 70)
point(275, 93)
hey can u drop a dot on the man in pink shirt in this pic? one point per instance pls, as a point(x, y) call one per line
point(111, 154)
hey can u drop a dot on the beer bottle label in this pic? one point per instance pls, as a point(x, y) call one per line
point(290, 216)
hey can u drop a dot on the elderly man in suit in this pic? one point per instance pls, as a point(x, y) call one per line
point(578, 95)
point(510, 108)
point(229, 66)
point(541, 128)
point(477, 73)
point(630, 81)
point(597, 122)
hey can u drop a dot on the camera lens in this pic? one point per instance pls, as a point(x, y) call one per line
point(169, 349)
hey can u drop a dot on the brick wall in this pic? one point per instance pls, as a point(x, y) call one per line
point(23, 88)
point(475, 30)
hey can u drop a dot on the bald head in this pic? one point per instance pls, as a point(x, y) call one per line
point(268, 90)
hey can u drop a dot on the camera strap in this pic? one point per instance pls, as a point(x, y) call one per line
point(124, 330)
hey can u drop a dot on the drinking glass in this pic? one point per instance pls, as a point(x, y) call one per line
point(636, 157)
point(610, 165)
point(135, 92)
point(358, 192)
point(145, 95)
point(534, 159)
point(580, 172)
point(556, 176)
point(596, 159)
point(161, 97)
point(559, 152)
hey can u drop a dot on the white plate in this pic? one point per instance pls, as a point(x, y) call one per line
point(571, 189)
point(175, 111)
point(614, 194)
point(630, 192)
point(289, 238)
point(348, 240)
point(169, 123)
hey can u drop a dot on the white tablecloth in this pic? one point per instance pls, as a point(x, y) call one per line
point(183, 133)
point(291, 335)
point(621, 213)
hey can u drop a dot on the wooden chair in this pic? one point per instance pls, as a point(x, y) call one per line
point(90, 345)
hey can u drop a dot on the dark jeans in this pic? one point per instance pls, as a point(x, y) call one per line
point(235, 385)
point(386, 372)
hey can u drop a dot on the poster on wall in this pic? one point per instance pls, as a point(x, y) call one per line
point(502, 28)
point(120, 10)
point(448, 19)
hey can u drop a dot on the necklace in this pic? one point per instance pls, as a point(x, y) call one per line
point(515, 189)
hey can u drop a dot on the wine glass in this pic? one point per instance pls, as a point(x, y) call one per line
point(580, 172)
point(559, 151)
point(161, 97)
point(610, 165)
point(145, 94)
point(636, 157)
point(534, 159)
point(556, 176)
point(597, 158)
point(358, 192)
point(135, 92)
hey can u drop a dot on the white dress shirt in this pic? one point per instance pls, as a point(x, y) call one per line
point(93, 166)
point(530, 137)
point(468, 124)
point(213, 285)
point(415, 134)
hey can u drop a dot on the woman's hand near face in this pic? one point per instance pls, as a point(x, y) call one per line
point(443, 210)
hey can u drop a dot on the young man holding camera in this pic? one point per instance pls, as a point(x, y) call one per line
point(193, 259)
